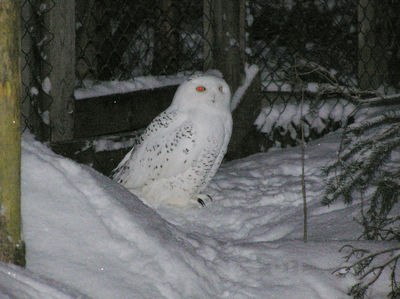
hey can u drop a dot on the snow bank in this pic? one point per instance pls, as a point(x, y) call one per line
point(88, 232)
point(87, 236)
point(21, 283)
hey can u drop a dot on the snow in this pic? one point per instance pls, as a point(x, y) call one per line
point(250, 71)
point(45, 117)
point(287, 116)
point(46, 85)
point(21, 283)
point(34, 91)
point(97, 89)
point(88, 236)
point(93, 89)
point(249, 17)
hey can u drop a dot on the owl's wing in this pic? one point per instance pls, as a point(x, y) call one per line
point(167, 148)
point(222, 149)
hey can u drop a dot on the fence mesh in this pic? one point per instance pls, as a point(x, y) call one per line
point(123, 39)
point(321, 52)
point(36, 100)
point(310, 51)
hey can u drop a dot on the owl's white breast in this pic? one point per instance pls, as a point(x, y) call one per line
point(210, 124)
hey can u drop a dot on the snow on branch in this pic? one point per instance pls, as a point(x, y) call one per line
point(333, 86)
point(383, 99)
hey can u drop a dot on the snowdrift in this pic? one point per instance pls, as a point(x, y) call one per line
point(87, 236)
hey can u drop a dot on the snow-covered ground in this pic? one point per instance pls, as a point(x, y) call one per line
point(88, 236)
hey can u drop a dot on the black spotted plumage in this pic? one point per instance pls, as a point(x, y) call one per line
point(182, 148)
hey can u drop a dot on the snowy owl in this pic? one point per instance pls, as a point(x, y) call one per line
point(182, 148)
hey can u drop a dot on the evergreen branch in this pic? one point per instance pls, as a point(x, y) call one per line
point(386, 117)
point(367, 273)
point(379, 268)
point(354, 251)
point(360, 173)
point(383, 99)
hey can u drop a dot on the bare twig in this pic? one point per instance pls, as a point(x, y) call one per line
point(334, 86)
point(303, 180)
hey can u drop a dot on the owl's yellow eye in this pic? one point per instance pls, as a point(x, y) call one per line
point(200, 88)
point(221, 89)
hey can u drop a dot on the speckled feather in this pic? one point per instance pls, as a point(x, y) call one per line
point(182, 148)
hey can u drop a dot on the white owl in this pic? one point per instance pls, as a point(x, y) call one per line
point(182, 148)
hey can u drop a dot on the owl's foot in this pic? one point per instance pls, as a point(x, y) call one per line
point(203, 198)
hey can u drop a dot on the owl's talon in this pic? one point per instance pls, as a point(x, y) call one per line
point(202, 198)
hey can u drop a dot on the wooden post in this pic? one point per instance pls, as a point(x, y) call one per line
point(227, 38)
point(372, 43)
point(60, 59)
point(11, 246)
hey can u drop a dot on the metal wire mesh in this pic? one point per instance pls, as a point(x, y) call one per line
point(123, 39)
point(36, 100)
point(319, 51)
point(325, 35)
point(306, 50)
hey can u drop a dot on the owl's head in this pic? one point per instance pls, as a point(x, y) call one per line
point(203, 91)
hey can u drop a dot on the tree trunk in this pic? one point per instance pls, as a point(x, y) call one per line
point(11, 246)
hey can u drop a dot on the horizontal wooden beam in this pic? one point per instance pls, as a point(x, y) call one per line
point(120, 112)
point(102, 153)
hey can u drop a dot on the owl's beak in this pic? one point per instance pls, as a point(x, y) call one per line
point(213, 99)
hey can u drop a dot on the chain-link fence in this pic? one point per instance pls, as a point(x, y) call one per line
point(309, 52)
point(321, 52)
point(118, 40)
point(36, 100)
point(114, 40)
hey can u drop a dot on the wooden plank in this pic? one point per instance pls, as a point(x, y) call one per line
point(102, 153)
point(60, 51)
point(120, 112)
